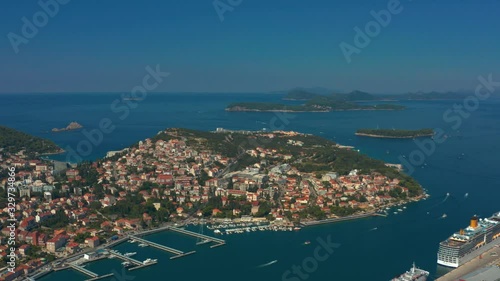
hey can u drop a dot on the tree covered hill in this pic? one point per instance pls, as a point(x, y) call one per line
point(13, 141)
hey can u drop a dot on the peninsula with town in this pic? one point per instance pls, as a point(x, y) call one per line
point(282, 178)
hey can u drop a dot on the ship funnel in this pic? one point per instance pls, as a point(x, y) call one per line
point(461, 232)
point(473, 222)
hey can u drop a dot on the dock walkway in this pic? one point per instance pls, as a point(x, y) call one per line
point(156, 245)
point(83, 270)
point(198, 235)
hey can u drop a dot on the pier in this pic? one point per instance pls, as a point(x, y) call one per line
point(198, 235)
point(125, 258)
point(93, 276)
point(177, 253)
point(84, 270)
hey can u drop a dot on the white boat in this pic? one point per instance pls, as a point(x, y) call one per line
point(143, 245)
point(132, 241)
point(400, 210)
point(148, 261)
point(125, 263)
point(130, 254)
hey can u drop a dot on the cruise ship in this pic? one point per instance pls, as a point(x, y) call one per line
point(466, 244)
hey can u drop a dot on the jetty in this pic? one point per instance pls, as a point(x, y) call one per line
point(220, 242)
point(176, 252)
point(93, 276)
point(125, 258)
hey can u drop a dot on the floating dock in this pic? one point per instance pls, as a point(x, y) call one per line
point(101, 277)
point(177, 253)
point(142, 266)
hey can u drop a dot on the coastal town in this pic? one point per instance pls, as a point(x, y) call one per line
point(285, 179)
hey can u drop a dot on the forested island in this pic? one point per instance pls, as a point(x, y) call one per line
point(13, 141)
point(395, 133)
point(306, 94)
point(320, 104)
point(326, 102)
point(316, 103)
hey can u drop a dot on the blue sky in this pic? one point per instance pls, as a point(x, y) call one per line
point(260, 46)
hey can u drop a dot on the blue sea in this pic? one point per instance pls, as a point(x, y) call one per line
point(369, 249)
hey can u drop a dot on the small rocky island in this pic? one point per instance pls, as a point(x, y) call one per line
point(70, 127)
point(395, 134)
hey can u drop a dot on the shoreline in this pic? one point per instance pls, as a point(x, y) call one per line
point(52, 153)
point(301, 111)
point(340, 219)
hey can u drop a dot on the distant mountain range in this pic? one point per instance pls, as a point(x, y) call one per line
point(312, 93)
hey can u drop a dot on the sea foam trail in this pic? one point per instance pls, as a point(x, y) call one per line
point(268, 264)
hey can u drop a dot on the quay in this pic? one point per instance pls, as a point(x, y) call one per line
point(332, 220)
point(41, 273)
point(198, 235)
point(177, 253)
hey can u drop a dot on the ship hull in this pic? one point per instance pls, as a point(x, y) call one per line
point(474, 254)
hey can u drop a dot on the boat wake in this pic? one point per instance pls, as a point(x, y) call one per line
point(446, 197)
point(268, 264)
point(373, 229)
